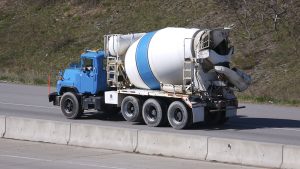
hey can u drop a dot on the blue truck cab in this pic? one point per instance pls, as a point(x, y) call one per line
point(81, 86)
point(87, 77)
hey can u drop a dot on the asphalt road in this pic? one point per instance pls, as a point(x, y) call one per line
point(15, 154)
point(268, 123)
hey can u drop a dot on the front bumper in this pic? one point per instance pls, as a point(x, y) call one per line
point(55, 98)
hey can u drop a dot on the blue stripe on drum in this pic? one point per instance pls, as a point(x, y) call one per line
point(142, 62)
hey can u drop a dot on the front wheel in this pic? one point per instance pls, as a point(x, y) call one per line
point(70, 106)
point(178, 115)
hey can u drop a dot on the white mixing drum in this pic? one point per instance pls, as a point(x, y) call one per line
point(159, 56)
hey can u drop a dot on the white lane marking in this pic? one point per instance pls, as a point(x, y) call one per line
point(265, 127)
point(73, 163)
point(28, 105)
point(287, 129)
point(27, 158)
point(90, 165)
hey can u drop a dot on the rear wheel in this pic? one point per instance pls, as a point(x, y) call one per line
point(178, 115)
point(70, 106)
point(131, 109)
point(153, 113)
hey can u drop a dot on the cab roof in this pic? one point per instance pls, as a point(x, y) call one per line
point(92, 54)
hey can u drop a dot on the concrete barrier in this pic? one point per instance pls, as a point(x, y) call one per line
point(291, 157)
point(171, 144)
point(245, 152)
point(37, 130)
point(2, 126)
point(123, 139)
point(153, 142)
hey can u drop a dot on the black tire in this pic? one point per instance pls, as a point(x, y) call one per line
point(70, 106)
point(214, 118)
point(178, 115)
point(153, 114)
point(131, 109)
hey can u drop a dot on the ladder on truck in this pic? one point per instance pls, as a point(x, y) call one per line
point(188, 67)
point(112, 71)
point(188, 70)
point(114, 68)
point(111, 64)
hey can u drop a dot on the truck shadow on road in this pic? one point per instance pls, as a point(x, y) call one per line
point(246, 123)
point(236, 123)
point(101, 116)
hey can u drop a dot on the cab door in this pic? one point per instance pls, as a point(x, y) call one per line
point(102, 85)
point(88, 76)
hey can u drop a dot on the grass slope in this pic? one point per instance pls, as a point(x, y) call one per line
point(38, 37)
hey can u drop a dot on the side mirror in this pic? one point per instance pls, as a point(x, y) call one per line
point(231, 50)
point(60, 75)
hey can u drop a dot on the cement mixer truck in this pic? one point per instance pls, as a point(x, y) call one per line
point(173, 76)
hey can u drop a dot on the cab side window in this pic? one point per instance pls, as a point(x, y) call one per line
point(87, 64)
point(104, 62)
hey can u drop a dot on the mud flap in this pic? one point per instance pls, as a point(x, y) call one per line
point(231, 111)
point(198, 114)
